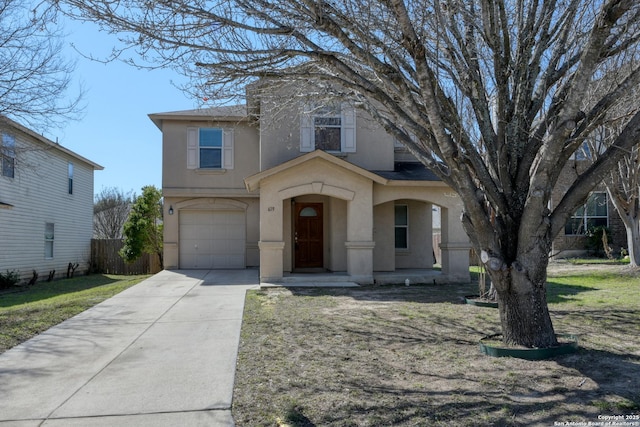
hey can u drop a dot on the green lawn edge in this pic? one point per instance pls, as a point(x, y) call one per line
point(28, 311)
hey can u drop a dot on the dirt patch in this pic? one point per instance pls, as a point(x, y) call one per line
point(409, 356)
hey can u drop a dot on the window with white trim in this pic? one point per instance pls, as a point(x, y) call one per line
point(209, 148)
point(401, 227)
point(329, 127)
point(594, 213)
point(8, 155)
point(48, 239)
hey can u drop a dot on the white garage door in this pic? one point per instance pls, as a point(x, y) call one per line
point(212, 239)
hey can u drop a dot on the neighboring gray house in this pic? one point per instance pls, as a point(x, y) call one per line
point(46, 204)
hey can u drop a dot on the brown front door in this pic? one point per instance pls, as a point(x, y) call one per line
point(308, 235)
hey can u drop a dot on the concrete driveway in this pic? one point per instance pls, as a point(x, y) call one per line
point(161, 353)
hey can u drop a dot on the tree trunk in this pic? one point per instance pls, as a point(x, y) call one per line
point(524, 315)
point(633, 242)
point(522, 299)
point(161, 259)
point(629, 211)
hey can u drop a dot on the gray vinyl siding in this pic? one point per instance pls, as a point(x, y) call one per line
point(39, 194)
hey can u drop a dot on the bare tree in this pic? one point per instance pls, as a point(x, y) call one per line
point(623, 187)
point(34, 75)
point(110, 211)
point(623, 181)
point(485, 93)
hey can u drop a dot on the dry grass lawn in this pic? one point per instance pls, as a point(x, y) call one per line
point(409, 356)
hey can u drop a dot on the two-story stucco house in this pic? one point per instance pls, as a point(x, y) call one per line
point(46, 204)
point(301, 189)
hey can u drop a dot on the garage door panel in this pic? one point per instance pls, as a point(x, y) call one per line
point(197, 246)
point(196, 232)
point(226, 235)
point(220, 232)
point(212, 239)
point(205, 242)
point(195, 218)
point(204, 260)
point(231, 247)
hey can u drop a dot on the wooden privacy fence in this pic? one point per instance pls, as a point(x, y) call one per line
point(105, 259)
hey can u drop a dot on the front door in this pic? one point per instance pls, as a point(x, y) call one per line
point(308, 235)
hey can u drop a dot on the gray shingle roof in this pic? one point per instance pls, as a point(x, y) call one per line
point(409, 171)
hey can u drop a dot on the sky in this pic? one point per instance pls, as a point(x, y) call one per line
point(114, 130)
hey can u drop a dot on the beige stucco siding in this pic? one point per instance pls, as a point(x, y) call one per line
point(272, 173)
point(383, 234)
point(39, 194)
point(280, 140)
point(187, 188)
point(338, 234)
point(178, 179)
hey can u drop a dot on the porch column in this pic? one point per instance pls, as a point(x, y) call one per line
point(271, 242)
point(360, 242)
point(270, 261)
point(455, 247)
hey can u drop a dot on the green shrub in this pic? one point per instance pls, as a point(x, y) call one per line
point(9, 279)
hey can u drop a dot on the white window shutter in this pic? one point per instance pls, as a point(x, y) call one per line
point(227, 149)
point(348, 133)
point(192, 148)
point(306, 131)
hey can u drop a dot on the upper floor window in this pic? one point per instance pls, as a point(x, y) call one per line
point(8, 155)
point(594, 213)
point(70, 174)
point(329, 128)
point(209, 148)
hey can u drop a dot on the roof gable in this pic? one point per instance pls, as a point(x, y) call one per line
point(47, 142)
point(253, 182)
point(225, 113)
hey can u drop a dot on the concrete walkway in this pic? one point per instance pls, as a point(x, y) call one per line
point(161, 353)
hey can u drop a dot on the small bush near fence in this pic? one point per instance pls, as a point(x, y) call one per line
point(105, 259)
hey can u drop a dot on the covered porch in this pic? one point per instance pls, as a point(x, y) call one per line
point(325, 220)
